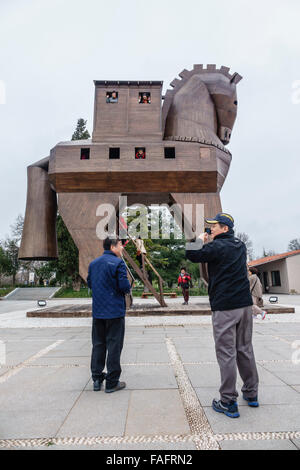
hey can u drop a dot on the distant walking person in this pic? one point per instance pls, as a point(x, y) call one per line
point(140, 250)
point(108, 280)
point(184, 280)
point(231, 304)
point(257, 293)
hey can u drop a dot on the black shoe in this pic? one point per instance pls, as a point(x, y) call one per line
point(119, 386)
point(98, 383)
point(229, 409)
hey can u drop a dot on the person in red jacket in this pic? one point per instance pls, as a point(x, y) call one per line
point(140, 154)
point(184, 280)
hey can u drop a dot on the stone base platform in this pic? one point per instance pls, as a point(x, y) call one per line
point(140, 310)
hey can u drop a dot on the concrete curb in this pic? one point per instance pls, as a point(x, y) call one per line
point(52, 295)
point(84, 311)
point(11, 293)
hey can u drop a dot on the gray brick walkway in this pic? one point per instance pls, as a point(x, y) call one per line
point(172, 377)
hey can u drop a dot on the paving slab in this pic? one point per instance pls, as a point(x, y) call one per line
point(19, 351)
point(289, 377)
point(97, 414)
point(149, 354)
point(161, 411)
point(268, 395)
point(146, 339)
point(267, 418)
point(284, 444)
point(284, 350)
point(129, 353)
point(296, 442)
point(40, 385)
point(267, 378)
point(204, 374)
point(63, 361)
point(263, 353)
point(30, 423)
point(148, 377)
point(3, 369)
point(56, 404)
point(196, 354)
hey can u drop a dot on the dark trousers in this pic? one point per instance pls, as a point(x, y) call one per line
point(186, 294)
point(107, 339)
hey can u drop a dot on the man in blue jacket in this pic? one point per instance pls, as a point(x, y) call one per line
point(107, 277)
point(231, 305)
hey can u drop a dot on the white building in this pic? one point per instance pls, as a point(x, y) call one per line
point(279, 274)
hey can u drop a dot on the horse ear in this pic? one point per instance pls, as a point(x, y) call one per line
point(236, 78)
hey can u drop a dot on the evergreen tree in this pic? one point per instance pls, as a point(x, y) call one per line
point(12, 262)
point(66, 266)
point(4, 263)
point(81, 132)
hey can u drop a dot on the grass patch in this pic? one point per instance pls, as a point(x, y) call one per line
point(5, 290)
point(64, 292)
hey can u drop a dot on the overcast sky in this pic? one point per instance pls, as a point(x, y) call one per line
point(52, 50)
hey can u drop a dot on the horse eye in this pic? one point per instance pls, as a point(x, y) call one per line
point(235, 102)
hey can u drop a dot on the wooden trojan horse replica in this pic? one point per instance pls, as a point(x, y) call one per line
point(152, 153)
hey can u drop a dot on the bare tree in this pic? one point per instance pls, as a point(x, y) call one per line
point(294, 244)
point(269, 253)
point(17, 228)
point(249, 245)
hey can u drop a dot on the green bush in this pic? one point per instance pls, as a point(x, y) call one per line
point(5, 290)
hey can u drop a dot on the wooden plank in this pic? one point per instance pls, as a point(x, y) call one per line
point(155, 181)
point(144, 278)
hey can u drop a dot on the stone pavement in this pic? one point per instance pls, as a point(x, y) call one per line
point(32, 293)
point(47, 402)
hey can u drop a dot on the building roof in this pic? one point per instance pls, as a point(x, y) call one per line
point(110, 83)
point(80, 142)
point(269, 259)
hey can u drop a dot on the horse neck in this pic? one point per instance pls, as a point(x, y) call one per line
point(192, 113)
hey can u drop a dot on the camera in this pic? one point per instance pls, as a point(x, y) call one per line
point(207, 230)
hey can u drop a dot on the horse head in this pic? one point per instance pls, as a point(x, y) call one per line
point(203, 104)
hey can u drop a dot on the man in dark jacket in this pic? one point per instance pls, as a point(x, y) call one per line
point(108, 280)
point(231, 304)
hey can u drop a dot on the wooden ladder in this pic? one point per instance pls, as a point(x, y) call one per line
point(143, 276)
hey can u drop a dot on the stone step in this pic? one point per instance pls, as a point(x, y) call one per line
point(138, 310)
